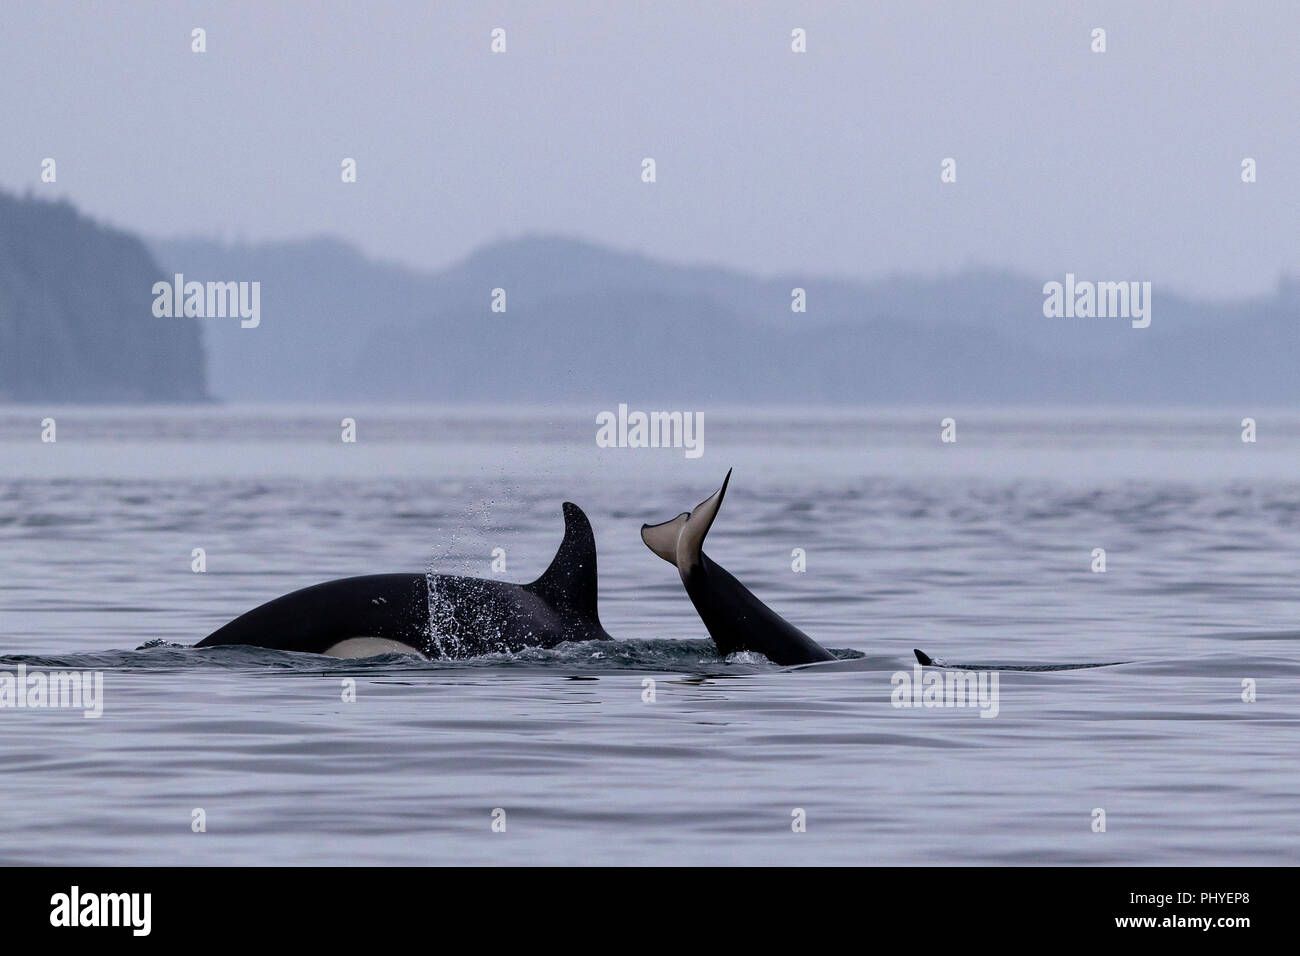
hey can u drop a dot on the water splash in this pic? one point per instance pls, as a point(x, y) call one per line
point(662, 655)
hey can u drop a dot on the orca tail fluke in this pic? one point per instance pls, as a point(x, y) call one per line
point(662, 538)
point(680, 540)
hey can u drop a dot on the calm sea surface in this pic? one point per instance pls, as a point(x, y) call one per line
point(978, 552)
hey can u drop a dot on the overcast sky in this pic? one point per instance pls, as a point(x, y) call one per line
point(1122, 165)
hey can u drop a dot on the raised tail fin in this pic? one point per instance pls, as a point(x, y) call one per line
point(662, 538)
point(680, 540)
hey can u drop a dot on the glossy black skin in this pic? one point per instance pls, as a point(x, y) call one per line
point(473, 615)
point(738, 621)
point(314, 619)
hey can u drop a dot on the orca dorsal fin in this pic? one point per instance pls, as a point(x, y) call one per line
point(569, 584)
point(680, 540)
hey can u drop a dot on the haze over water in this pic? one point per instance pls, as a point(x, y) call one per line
point(977, 552)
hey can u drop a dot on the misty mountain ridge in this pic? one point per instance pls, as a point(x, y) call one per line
point(589, 324)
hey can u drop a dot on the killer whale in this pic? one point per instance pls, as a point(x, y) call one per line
point(435, 615)
point(735, 618)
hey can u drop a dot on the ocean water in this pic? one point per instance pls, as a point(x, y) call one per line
point(979, 552)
